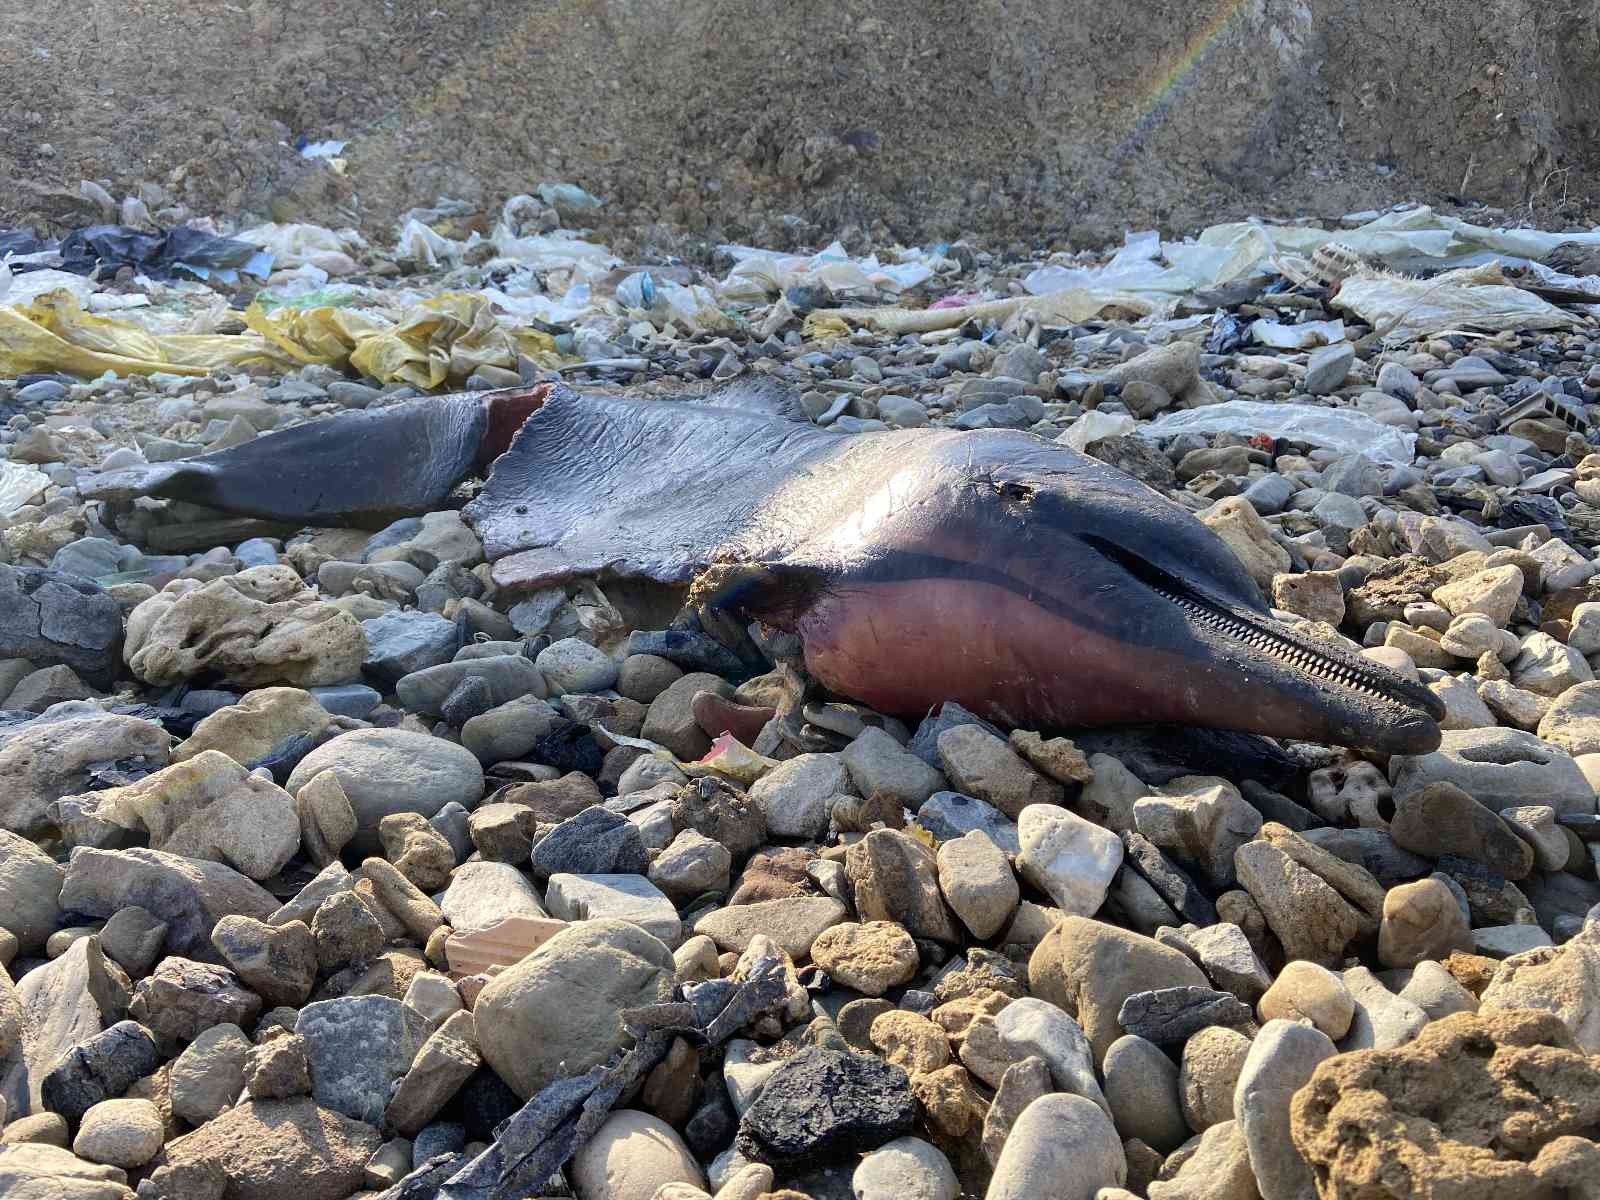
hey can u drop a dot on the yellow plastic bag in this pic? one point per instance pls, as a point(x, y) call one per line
point(53, 333)
point(447, 337)
point(820, 326)
point(324, 334)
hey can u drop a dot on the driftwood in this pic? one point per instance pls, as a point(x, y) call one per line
point(536, 1141)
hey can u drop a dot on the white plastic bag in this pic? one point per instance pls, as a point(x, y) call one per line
point(1093, 426)
point(1477, 298)
point(20, 484)
point(1297, 337)
point(1341, 429)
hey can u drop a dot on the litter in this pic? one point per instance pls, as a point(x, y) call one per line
point(1330, 428)
point(758, 274)
point(20, 485)
point(1474, 298)
point(325, 149)
point(440, 339)
point(301, 245)
point(447, 337)
point(567, 195)
point(160, 254)
point(25, 288)
point(53, 333)
point(1297, 337)
point(1074, 305)
point(1093, 426)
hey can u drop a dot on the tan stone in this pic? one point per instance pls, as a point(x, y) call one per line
point(1472, 1109)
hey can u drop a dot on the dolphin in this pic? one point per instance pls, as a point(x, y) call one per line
point(1038, 587)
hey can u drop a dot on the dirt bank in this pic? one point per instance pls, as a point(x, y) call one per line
point(767, 120)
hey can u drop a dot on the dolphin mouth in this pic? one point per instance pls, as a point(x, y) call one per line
point(1311, 690)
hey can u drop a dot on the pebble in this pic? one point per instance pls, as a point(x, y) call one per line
point(384, 771)
point(119, 1133)
point(1141, 1085)
point(1281, 1059)
point(977, 882)
point(907, 1168)
point(1307, 991)
point(1062, 1146)
point(1209, 1074)
point(630, 1157)
point(880, 765)
point(1070, 859)
point(869, 958)
point(1382, 1019)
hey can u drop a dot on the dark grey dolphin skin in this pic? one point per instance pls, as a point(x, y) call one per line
point(1036, 586)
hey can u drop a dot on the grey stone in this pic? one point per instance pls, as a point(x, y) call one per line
point(795, 795)
point(1168, 880)
point(55, 1007)
point(1371, 849)
point(925, 742)
point(133, 938)
point(631, 898)
point(181, 999)
point(1499, 768)
point(880, 765)
point(571, 665)
point(30, 890)
point(509, 730)
point(1061, 1147)
point(483, 893)
point(357, 1046)
point(508, 676)
point(1328, 367)
point(384, 771)
point(1382, 1019)
point(50, 617)
point(99, 1068)
point(595, 842)
point(1035, 1027)
point(191, 895)
point(405, 641)
point(1142, 1089)
point(209, 1075)
point(354, 700)
point(1281, 1060)
point(1171, 1015)
point(949, 815)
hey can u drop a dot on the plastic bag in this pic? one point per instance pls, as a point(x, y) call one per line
point(758, 274)
point(162, 254)
point(1342, 429)
point(447, 337)
point(1093, 426)
point(1073, 306)
point(1297, 337)
point(20, 484)
point(325, 335)
point(730, 757)
point(567, 195)
point(1477, 298)
point(302, 245)
point(54, 334)
point(637, 290)
point(28, 286)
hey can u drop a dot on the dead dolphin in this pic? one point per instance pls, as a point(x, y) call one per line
point(1034, 585)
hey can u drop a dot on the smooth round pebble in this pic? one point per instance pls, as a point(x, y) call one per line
point(120, 1133)
point(907, 1168)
